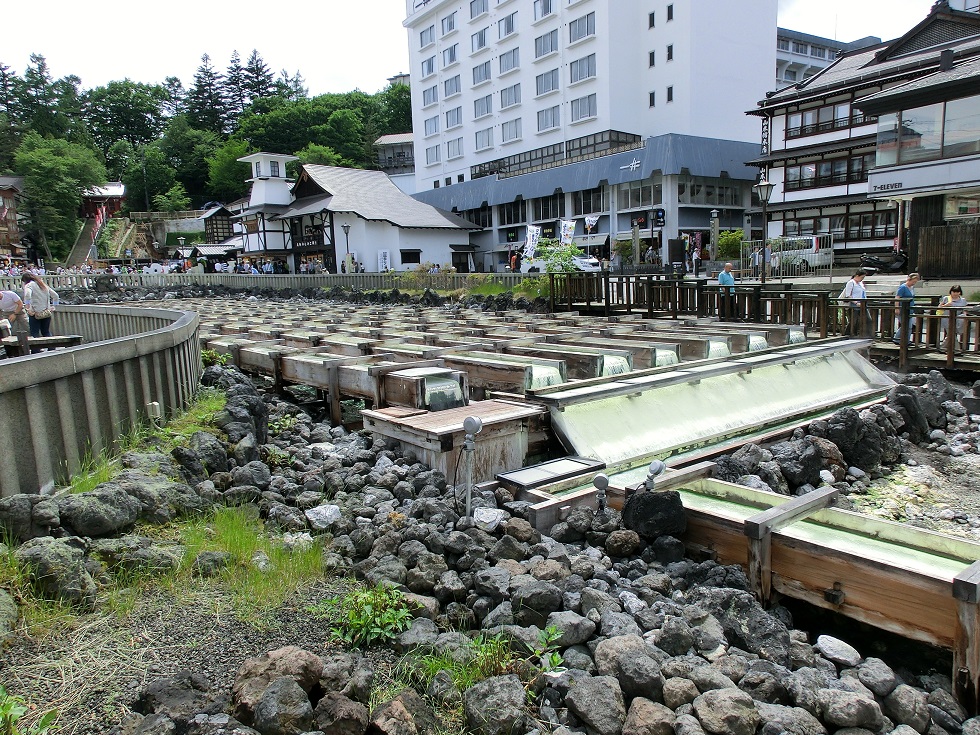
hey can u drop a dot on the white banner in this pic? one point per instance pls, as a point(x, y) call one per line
point(591, 220)
point(567, 231)
point(384, 261)
point(531, 244)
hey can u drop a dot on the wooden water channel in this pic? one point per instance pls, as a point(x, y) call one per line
point(513, 370)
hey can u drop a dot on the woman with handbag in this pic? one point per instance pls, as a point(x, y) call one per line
point(39, 300)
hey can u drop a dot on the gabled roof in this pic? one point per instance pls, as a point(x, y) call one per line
point(111, 189)
point(962, 79)
point(371, 195)
point(215, 210)
point(914, 54)
point(395, 139)
point(16, 183)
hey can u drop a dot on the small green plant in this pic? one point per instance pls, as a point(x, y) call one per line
point(276, 457)
point(13, 709)
point(213, 357)
point(283, 424)
point(93, 471)
point(483, 658)
point(370, 615)
point(546, 650)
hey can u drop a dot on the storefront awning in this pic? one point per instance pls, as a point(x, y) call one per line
point(462, 248)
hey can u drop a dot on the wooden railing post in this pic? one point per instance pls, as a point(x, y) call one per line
point(605, 293)
point(551, 293)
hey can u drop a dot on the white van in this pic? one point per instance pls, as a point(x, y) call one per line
point(800, 255)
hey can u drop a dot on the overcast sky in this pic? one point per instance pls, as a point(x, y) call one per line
point(336, 45)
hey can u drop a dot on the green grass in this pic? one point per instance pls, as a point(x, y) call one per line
point(485, 657)
point(39, 617)
point(94, 471)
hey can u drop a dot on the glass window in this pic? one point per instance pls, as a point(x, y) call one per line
point(670, 12)
point(477, 7)
point(653, 99)
point(432, 155)
point(652, 58)
point(789, 75)
point(782, 44)
point(454, 118)
point(589, 201)
point(482, 106)
point(449, 24)
point(584, 108)
point(510, 130)
point(543, 8)
point(454, 148)
point(430, 96)
point(921, 133)
point(429, 66)
point(513, 213)
point(636, 194)
point(551, 207)
point(450, 55)
point(670, 94)
point(961, 129)
point(484, 139)
point(581, 27)
point(651, 20)
point(510, 60)
point(507, 25)
point(481, 73)
point(670, 52)
point(818, 52)
point(274, 168)
point(432, 125)
point(799, 48)
point(452, 86)
point(258, 168)
point(510, 96)
point(547, 82)
point(427, 36)
point(479, 39)
point(549, 118)
point(582, 68)
point(546, 44)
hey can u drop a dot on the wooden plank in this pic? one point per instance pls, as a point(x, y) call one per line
point(759, 569)
point(966, 585)
point(762, 524)
point(966, 656)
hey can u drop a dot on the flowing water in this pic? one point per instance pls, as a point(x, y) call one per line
point(544, 375)
point(718, 348)
point(614, 365)
point(757, 342)
point(665, 357)
point(442, 393)
point(797, 336)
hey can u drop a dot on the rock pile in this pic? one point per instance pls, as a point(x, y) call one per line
point(651, 642)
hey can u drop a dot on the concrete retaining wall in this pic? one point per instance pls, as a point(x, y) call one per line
point(57, 407)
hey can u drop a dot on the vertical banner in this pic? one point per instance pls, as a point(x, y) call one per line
point(384, 261)
point(567, 231)
point(591, 221)
point(533, 233)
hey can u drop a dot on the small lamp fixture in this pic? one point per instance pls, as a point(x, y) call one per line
point(656, 468)
point(601, 483)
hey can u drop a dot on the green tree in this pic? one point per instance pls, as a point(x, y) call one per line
point(207, 108)
point(187, 150)
point(258, 80)
point(227, 175)
point(557, 257)
point(174, 200)
point(117, 159)
point(396, 110)
point(730, 244)
point(38, 100)
point(147, 173)
point(319, 154)
point(125, 110)
point(235, 92)
point(55, 172)
point(173, 104)
point(345, 134)
point(291, 87)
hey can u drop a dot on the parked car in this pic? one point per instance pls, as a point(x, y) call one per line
point(794, 260)
point(587, 263)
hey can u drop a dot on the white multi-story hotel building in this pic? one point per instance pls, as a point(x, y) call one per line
point(531, 111)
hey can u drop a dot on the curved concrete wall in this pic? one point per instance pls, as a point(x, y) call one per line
point(57, 407)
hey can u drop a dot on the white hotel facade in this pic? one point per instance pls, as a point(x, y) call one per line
point(531, 111)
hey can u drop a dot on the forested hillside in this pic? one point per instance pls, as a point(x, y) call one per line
point(173, 147)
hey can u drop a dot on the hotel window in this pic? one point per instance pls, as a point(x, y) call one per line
point(454, 118)
point(799, 48)
point(653, 99)
point(782, 44)
point(449, 24)
point(507, 25)
point(427, 36)
point(274, 168)
point(452, 86)
point(581, 27)
point(547, 82)
point(551, 207)
point(432, 125)
point(450, 55)
point(479, 39)
point(582, 68)
point(670, 94)
point(651, 20)
point(549, 119)
point(454, 148)
point(652, 58)
point(481, 73)
point(510, 130)
point(429, 67)
point(546, 44)
point(670, 13)
point(484, 139)
point(636, 194)
point(510, 96)
point(670, 52)
point(818, 52)
point(543, 8)
point(513, 213)
point(589, 201)
point(584, 108)
point(430, 96)
point(477, 7)
point(482, 107)
point(510, 60)
point(789, 75)
point(432, 155)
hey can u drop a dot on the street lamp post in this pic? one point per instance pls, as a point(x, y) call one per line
point(764, 190)
point(346, 228)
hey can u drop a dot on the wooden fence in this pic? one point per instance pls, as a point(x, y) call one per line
point(949, 251)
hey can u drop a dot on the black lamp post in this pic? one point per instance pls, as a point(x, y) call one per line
point(764, 190)
point(346, 228)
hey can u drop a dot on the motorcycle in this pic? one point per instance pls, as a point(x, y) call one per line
point(895, 263)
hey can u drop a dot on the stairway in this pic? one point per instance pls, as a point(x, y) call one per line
point(83, 244)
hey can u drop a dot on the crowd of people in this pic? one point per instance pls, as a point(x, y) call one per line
point(31, 310)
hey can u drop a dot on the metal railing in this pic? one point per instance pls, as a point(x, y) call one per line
point(58, 408)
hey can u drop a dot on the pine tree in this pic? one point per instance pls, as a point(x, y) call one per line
point(174, 103)
point(234, 89)
point(258, 80)
point(38, 99)
point(291, 88)
point(207, 108)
